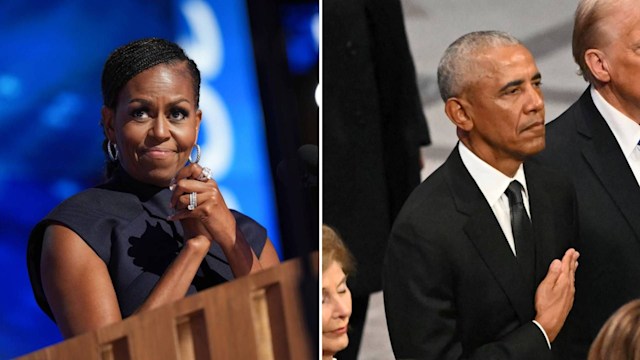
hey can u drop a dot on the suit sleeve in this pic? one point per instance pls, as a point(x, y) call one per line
point(421, 309)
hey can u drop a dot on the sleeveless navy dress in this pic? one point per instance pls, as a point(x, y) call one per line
point(124, 222)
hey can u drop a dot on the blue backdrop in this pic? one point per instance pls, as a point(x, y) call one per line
point(50, 136)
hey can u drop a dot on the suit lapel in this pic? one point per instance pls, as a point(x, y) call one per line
point(602, 152)
point(485, 233)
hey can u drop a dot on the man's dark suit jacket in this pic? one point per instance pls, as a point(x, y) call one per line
point(581, 145)
point(452, 286)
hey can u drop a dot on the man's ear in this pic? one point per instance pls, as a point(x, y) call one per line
point(457, 110)
point(108, 119)
point(597, 63)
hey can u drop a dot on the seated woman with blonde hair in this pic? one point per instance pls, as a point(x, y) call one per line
point(337, 263)
point(619, 338)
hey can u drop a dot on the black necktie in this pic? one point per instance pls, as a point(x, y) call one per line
point(522, 232)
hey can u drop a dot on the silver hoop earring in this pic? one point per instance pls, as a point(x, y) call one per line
point(113, 154)
point(197, 154)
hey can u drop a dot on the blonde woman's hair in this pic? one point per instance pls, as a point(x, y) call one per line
point(619, 338)
point(334, 249)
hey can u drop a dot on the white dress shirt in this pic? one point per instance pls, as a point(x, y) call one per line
point(492, 184)
point(625, 130)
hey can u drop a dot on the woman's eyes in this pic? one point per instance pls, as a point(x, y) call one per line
point(140, 113)
point(173, 115)
point(178, 114)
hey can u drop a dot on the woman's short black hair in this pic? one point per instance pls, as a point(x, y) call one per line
point(133, 58)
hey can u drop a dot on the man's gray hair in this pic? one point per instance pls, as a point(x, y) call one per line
point(459, 59)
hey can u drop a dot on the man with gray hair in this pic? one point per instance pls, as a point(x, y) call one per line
point(595, 142)
point(473, 265)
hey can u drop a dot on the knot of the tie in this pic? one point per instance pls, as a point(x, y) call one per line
point(514, 193)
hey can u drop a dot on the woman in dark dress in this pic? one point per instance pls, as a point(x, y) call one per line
point(158, 229)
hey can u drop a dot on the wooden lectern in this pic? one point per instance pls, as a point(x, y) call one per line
point(254, 317)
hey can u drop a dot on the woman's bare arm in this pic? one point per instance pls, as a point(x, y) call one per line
point(269, 256)
point(243, 260)
point(76, 283)
point(80, 290)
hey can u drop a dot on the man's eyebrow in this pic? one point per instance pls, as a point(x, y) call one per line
point(512, 83)
point(537, 76)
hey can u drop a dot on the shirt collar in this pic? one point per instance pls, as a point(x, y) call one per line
point(492, 182)
point(625, 130)
point(153, 198)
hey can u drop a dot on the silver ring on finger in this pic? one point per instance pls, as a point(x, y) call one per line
point(205, 174)
point(193, 201)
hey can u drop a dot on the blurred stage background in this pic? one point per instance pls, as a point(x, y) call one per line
point(259, 64)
